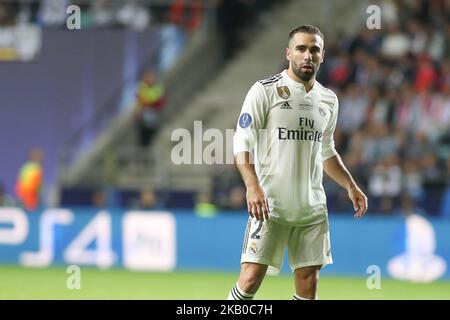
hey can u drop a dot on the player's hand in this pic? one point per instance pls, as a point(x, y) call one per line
point(257, 204)
point(359, 200)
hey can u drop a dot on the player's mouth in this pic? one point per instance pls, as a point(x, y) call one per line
point(307, 67)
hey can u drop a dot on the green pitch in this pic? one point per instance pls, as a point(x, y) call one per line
point(22, 283)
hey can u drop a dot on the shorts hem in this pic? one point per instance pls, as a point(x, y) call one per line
point(260, 261)
point(322, 262)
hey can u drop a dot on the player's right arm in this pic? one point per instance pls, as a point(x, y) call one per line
point(251, 120)
point(257, 204)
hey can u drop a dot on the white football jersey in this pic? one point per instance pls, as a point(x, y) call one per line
point(290, 133)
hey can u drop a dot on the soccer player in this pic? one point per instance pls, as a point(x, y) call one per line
point(282, 145)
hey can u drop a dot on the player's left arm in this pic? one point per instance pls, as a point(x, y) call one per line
point(334, 167)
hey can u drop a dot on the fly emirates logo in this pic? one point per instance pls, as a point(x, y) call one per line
point(305, 133)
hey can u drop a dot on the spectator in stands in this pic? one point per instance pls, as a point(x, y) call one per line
point(412, 184)
point(430, 168)
point(103, 13)
point(5, 199)
point(53, 12)
point(385, 183)
point(445, 206)
point(236, 199)
point(446, 48)
point(30, 180)
point(204, 206)
point(353, 109)
point(426, 75)
point(395, 44)
point(150, 100)
point(100, 199)
point(341, 71)
point(405, 113)
point(134, 15)
point(367, 40)
point(147, 199)
point(6, 16)
point(444, 79)
point(225, 178)
point(187, 14)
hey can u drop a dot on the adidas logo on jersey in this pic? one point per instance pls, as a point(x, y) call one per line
point(286, 105)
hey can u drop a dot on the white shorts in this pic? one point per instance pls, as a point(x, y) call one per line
point(265, 242)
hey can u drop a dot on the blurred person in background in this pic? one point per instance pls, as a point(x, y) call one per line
point(412, 183)
point(204, 206)
point(385, 183)
point(445, 207)
point(150, 101)
point(134, 15)
point(225, 178)
point(7, 18)
point(185, 17)
point(147, 200)
point(353, 109)
point(104, 14)
point(187, 14)
point(30, 181)
point(5, 199)
point(235, 199)
point(100, 199)
point(426, 74)
point(53, 12)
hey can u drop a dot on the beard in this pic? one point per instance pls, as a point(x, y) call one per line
point(304, 76)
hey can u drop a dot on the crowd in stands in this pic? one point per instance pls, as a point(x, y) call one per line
point(394, 120)
point(393, 130)
point(132, 14)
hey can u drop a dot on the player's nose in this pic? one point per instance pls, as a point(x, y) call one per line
point(308, 56)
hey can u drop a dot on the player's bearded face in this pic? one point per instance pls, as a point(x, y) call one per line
point(305, 55)
point(304, 71)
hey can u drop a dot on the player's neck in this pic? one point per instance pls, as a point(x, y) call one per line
point(308, 84)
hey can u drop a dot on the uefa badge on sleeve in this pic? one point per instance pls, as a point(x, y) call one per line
point(245, 120)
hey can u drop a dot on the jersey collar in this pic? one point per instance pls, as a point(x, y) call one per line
point(300, 85)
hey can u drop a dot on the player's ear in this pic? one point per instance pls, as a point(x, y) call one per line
point(323, 56)
point(288, 54)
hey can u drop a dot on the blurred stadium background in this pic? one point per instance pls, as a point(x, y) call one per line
point(86, 122)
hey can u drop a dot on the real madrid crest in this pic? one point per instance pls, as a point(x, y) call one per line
point(253, 248)
point(283, 92)
point(322, 112)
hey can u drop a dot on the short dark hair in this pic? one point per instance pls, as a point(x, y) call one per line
point(307, 28)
